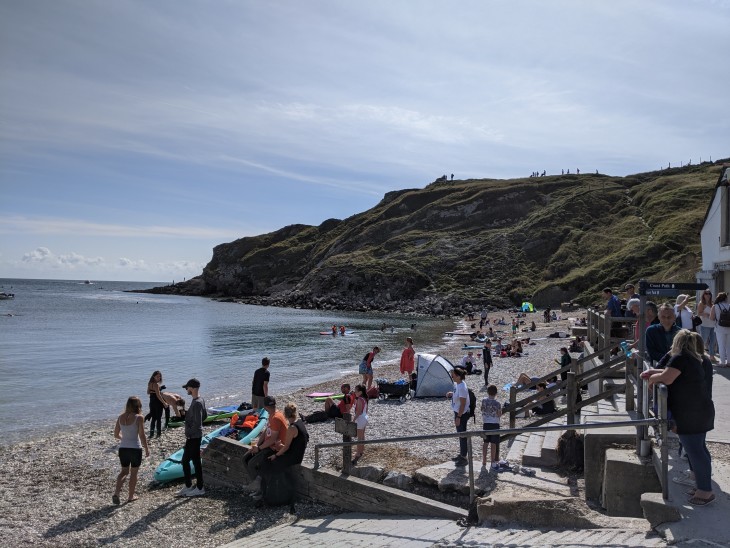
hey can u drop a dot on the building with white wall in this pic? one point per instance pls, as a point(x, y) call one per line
point(715, 237)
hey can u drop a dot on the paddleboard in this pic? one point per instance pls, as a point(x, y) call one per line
point(171, 468)
point(338, 333)
point(460, 333)
point(320, 394)
point(472, 346)
point(335, 397)
point(227, 412)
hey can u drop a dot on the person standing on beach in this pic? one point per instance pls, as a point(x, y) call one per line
point(487, 359)
point(459, 401)
point(366, 367)
point(157, 403)
point(260, 384)
point(491, 413)
point(129, 429)
point(194, 418)
point(407, 358)
point(361, 420)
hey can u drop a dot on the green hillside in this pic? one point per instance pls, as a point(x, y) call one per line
point(462, 244)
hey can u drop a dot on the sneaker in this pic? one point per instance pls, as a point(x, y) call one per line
point(184, 491)
point(495, 466)
point(461, 461)
point(195, 492)
point(684, 479)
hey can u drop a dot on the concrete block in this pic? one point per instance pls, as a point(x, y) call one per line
point(397, 480)
point(369, 473)
point(625, 479)
point(550, 447)
point(533, 451)
point(554, 512)
point(657, 510)
point(595, 443)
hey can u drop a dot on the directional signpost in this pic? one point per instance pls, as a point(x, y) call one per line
point(667, 289)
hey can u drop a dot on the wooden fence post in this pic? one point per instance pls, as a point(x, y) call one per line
point(348, 429)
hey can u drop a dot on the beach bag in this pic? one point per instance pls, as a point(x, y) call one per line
point(472, 404)
point(724, 319)
point(373, 393)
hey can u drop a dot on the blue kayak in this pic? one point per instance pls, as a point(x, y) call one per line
point(171, 468)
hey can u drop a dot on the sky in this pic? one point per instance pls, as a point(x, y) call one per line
point(137, 135)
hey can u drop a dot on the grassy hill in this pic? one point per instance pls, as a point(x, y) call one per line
point(459, 244)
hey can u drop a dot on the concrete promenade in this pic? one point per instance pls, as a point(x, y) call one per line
point(355, 529)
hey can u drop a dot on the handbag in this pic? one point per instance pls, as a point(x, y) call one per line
point(696, 320)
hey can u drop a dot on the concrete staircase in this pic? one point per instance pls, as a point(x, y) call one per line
point(536, 449)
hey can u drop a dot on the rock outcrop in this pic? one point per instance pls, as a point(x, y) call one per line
point(454, 246)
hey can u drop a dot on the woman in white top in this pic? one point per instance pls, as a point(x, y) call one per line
point(683, 313)
point(722, 333)
point(707, 328)
point(129, 429)
point(361, 419)
point(460, 407)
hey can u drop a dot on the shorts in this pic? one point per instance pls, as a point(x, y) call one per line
point(128, 456)
point(361, 421)
point(363, 369)
point(492, 438)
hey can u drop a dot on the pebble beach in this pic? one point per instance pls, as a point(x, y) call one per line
point(56, 490)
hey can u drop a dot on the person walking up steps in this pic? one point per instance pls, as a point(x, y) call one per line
point(129, 429)
point(194, 418)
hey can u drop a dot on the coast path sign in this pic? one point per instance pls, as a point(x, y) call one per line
point(668, 289)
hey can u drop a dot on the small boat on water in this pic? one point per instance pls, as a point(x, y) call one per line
point(4, 295)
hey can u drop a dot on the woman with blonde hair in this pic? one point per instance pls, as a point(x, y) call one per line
point(689, 382)
point(129, 429)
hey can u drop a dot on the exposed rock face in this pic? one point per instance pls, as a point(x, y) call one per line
point(454, 246)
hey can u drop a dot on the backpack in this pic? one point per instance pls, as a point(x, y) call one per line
point(472, 404)
point(724, 319)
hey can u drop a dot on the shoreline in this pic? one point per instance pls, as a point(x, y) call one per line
point(70, 473)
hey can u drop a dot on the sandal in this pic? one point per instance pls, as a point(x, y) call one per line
point(355, 459)
point(697, 501)
point(133, 499)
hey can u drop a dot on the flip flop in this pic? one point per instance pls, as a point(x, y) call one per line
point(696, 501)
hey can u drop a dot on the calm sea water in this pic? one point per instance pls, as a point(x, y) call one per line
point(72, 351)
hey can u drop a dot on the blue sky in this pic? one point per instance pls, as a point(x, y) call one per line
point(136, 136)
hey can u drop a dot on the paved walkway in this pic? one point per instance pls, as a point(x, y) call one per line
point(721, 399)
point(355, 529)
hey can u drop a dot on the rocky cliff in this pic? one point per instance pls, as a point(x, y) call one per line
point(458, 245)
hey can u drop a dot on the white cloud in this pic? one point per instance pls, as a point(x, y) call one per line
point(46, 225)
point(70, 261)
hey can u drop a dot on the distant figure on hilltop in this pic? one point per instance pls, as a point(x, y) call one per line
point(577, 171)
point(452, 176)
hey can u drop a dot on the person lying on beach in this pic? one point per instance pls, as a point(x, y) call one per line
point(337, 409)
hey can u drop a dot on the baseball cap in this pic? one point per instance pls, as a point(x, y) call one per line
point(269, 401)
point(192, 383)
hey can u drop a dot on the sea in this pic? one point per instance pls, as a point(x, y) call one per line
point(72, 352)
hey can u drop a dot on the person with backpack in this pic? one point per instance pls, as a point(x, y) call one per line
point(460, 406)
point(720, 313)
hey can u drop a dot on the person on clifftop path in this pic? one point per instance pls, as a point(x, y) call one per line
point(460, 406)
point(366, 367)
point(129, 429)
point(407, 358)
point(260, 384)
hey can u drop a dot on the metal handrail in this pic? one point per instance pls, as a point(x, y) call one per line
point(470, 434)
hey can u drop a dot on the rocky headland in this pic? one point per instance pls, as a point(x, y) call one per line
point(440, 249)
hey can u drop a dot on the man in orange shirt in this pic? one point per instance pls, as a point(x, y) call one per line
point(267, 440)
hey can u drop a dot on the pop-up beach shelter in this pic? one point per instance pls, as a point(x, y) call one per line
point(527, 307)
point(434, 376)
